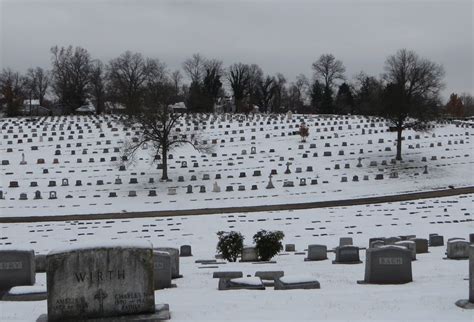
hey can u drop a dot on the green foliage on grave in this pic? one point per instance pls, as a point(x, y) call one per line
point(230, 245)
point(268, 243)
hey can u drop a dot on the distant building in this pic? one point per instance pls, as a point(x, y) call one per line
point(179, 107)
point(86, 109)
point(32, 107)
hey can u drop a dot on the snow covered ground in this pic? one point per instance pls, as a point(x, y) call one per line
point(83, 147)
point(437, 283)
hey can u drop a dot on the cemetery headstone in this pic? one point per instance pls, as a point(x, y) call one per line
point(388, 265)
point(17, 267)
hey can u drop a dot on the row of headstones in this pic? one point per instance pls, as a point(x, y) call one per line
point(388, 260)
point(19, 267)
point(97, 282)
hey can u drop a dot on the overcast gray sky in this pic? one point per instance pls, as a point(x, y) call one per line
point(280, 36)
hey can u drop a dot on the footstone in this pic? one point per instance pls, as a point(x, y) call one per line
point(269, 275)
point(388, 265)
point(17, 267)
point(174, 254)
point(161, 270)
point(243, 283)
point(469, 303)
point(317, 253)
point(100, 281)
point(296, 283)
point(347, 255)
point(227, 274)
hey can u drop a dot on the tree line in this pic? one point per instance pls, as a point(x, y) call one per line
point(128, 82)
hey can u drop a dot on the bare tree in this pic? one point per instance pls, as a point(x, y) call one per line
point(98, 86)
point(468, 102)
point(159, 126)
point(194, 68)
point(212, 83)
point(12, 88)
point(411, 97)
point(38, 81)
point(71, 75)
point(176, 80)
point(128, 75)
point(239, 77)
point(265, 93)
point(280, 93)
point(327, 69)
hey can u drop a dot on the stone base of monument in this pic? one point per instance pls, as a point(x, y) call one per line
point(456, 259)
point(162, 313)
point(363, 282)
point(264, 262)
point(350, 263)
point(465, 304)
point(25, 293)
point(314, 260)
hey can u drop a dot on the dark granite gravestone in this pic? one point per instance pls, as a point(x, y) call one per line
point(249, 254)
point(409, 244)
point(174, 254)
point(457, 249)
point(290, 247)
point(40, 263)
point(345, 241)
point(469, 303)
point(421, 245)
point(185, 251)
point(17, 267)
point(388, 265)
point(161, 270)
point(347, 255)
point(436, 240)
point(317, 253)
point(102, 282)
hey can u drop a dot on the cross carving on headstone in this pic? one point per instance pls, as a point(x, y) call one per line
point(100, 296)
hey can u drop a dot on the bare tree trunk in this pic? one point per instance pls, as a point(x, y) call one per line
point(164, 157)
point(399, 143)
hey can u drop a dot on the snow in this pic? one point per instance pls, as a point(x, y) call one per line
point(255, 281)
point(18, 290)
point(293, 279)
point(102, 244)
point(437, 283)
point(454, 160)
